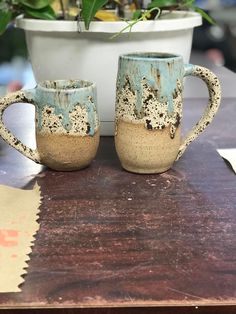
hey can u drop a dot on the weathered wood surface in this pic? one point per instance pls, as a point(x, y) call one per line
point(109, 238)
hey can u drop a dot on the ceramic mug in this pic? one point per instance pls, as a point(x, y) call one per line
point(66, 119)
point(149, 110)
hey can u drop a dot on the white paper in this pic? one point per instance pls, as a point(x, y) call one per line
point(230, 155)
point(19, 211)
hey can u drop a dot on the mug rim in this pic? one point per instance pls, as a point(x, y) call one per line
point(69, 83)
point(150, 56)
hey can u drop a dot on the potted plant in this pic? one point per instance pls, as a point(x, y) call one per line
point(81, 47)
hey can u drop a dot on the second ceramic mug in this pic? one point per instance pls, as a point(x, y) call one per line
point(67, 125)
point(149, 110)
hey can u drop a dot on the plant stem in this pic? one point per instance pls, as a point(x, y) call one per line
point(137, 4)
point(142, 18)
point(121, 5)
point(63, 9)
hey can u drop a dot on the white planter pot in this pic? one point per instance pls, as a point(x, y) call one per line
point(65, 50)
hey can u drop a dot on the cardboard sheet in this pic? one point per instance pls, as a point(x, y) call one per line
point(19, 211)
point(230, 155)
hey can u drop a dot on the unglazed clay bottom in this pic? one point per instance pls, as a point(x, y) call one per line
point(64, 152)
point(145, 151)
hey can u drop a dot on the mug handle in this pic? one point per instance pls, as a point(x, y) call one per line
point(8, 137)
point(214, 89)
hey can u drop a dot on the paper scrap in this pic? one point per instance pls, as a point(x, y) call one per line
point(230, 155)
point(19, 211)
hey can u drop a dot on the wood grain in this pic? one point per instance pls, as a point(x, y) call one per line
point(109, 238)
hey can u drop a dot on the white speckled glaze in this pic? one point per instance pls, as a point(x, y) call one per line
point(149, 108)
point(67, 125)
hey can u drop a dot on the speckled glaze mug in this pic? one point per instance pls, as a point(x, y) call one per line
point(67, 125)
point(149, 110)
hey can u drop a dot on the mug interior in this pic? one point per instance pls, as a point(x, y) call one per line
point(150, 55)
point(65, 84)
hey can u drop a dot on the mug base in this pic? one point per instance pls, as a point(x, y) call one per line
point(145, 151)
point(67, 168)
point(62, 152)
point(144, 170)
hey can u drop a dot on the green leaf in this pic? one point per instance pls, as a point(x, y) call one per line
point(90, 8)
point(136, 14)
point(204, 15)
point(36, 4)
point(162, 3)
point(5, 18)
point(46, 13)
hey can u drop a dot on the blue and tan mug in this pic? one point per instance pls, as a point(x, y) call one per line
point(149, 110)
point(67, 124)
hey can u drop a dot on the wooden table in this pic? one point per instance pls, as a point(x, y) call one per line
point(117, 242)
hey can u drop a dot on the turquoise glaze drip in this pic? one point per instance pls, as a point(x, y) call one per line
point(188, 69)
point(90, 107)
point(64, 101)
point(161, 75)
